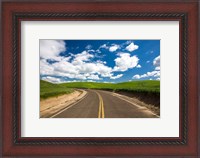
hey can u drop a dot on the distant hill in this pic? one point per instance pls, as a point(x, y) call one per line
point(48, 89)
point(140, 86)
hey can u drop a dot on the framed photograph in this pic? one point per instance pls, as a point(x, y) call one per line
point(100, 79)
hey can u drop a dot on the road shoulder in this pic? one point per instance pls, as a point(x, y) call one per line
point(49, 107)
point(141, 105)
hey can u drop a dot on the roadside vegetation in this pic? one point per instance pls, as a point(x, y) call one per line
point(48, 89)
point(135, 86)
point(146, 91)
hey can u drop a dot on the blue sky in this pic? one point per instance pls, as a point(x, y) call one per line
point(99, 60)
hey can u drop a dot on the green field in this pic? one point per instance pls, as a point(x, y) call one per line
point(137, 86)
point(48, 89)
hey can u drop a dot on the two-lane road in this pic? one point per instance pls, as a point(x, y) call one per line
point(103, 104)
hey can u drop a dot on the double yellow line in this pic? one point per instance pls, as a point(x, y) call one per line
point(101, 107)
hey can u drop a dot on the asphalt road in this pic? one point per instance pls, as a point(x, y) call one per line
point(104, 104)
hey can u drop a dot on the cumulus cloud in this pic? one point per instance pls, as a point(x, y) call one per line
point(45, 68)
point(116, 77)
point(51, 79)
point(155, 73)
point(64, 67)
point(101, 62)
point(104, 46)
point(50, 49)
point(136, 77)
point(114, 48)
point(125, 61)
point(88, 46)
point(90, 81)
point(93, 77)
point(138, 66)
point(103, 70)
point(157, 68)
point(156, 61)
point(131, 47)
point(144, 75)
point(81, 57)
point(81, 66)
point(148, 74)
point(70, 81)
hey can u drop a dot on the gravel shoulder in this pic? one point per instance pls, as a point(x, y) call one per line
point(50, 106)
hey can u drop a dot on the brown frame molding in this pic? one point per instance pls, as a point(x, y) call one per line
point(185, 145)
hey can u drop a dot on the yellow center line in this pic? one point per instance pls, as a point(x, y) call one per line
point(101, 107)
point(99, 116)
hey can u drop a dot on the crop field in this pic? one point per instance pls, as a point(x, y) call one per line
point(48, 89)
point(140, 86)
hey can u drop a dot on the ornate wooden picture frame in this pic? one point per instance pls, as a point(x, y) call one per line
point(14, 13)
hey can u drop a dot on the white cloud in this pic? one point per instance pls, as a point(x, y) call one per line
point(103, 70)
point(91, 81)
point(138, 66)
point(71, 81)
point(156, 61)
point(107, 82)
point(80, 66)
point(148, 74)
point(114, 48)
point(144, 75)
point(116, 77)
point(84, 56)
point(136, 77)
point(80, 76)
point(88, 47)
point(131, 47)
point(155, 74)
point(152, 73)
point(125, 61)
point(50, 49)
point(98, 51)
point(77, 69)
point(157, 68)
point(51, 79)
point(93, 77)
point(101, 62)
point(45, 68)
point(104, 46)
point(65, 67)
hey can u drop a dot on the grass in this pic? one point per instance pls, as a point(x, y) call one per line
point(48, 89)
point(136, 86)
